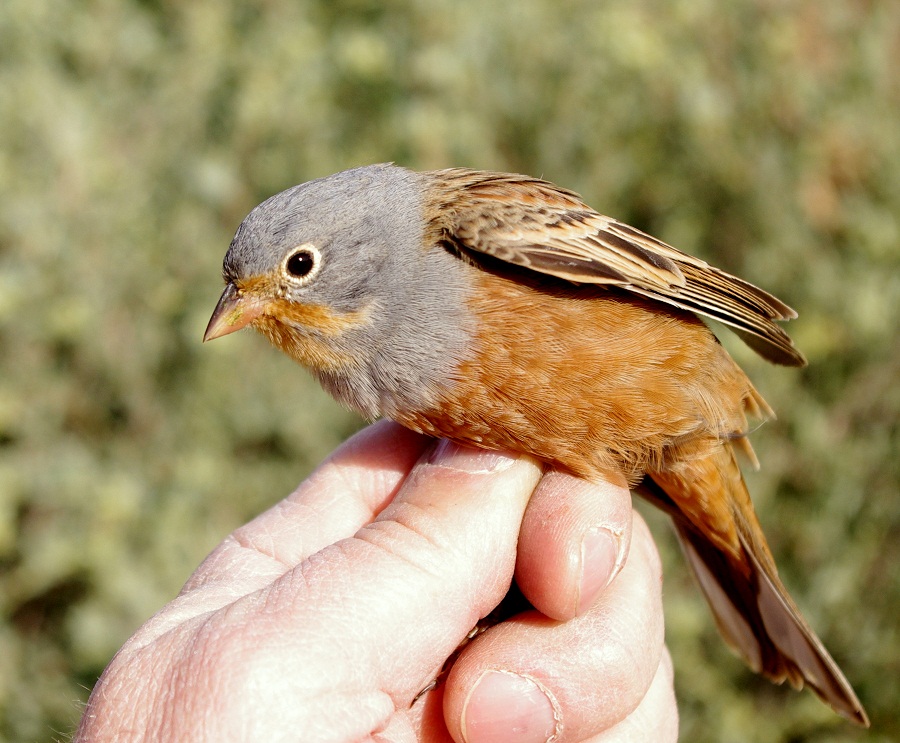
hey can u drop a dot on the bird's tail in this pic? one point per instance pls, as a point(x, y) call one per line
point(727, 550)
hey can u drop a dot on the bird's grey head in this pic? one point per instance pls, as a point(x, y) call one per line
point(326, 241)
point(335, 273)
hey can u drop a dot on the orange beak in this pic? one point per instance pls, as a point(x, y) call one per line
point(233, 312)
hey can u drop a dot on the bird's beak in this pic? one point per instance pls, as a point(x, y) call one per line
point(233, 312)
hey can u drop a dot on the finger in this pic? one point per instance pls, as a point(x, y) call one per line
point(346, 491)
point(656, 717)
point(446, 546)
point(342, 494)
point(574, 540)
point(367, 622)
point(571, 679)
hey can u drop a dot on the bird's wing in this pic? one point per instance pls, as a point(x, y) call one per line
point(535, 224)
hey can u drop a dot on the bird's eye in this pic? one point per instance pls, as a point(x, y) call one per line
point(303, 263)
point(300, 263)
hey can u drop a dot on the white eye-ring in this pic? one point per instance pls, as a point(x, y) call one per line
point(302, 264)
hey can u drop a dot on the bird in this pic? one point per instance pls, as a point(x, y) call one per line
point(500, 311)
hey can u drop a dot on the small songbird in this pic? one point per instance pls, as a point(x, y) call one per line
point(501, 311)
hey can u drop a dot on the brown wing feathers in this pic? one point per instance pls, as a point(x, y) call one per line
point(534, 224)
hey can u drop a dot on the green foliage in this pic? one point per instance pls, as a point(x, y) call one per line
point(136, 134)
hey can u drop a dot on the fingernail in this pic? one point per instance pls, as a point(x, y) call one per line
point(508, 708)
point(466, 459)
point(599, 558)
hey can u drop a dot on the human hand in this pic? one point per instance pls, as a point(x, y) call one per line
point(324, 618)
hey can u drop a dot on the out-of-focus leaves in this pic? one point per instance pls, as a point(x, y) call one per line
point(135, 135)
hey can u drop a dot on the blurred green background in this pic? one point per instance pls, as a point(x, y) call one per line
point(761, 135)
